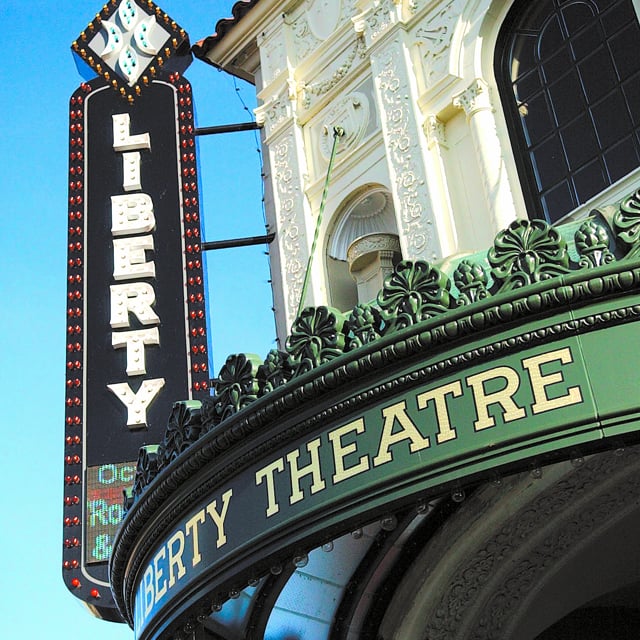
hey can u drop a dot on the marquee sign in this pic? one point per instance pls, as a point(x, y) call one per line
point(432, 431)
point(136, 316)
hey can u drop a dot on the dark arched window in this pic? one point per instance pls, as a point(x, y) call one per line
point(569, 79)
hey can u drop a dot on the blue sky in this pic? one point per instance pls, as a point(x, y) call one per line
point(38, 76)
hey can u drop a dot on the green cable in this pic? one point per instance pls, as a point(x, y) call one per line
point(338, 132)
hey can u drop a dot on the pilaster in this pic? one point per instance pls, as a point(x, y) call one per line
point(475, 101)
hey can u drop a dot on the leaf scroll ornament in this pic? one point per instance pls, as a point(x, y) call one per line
point(183, 429)
point(414, 292)
point(627, 223)
point(146, 471)
point(528, 251)
point(236, 385)
point(364, 325)
point(276, 370)
point(592, 243)
point(471, 280)
point(316, 337)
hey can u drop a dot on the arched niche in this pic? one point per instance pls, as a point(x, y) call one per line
point(367, 212)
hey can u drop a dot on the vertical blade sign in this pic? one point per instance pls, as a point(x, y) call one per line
point(136, 324)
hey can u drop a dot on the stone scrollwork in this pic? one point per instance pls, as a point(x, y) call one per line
point(273, 55)
point(372, 242)
point(476, 97)
point(273, 112)
point(379, 19)
point(435, 131)
point(402, 136)
point(528, 251)
point(434, 39)
point(290, 220)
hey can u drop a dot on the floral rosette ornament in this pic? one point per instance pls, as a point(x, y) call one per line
point(147, 468)
point(276, 370)
point(183, 429)
point(316, 337)
point(236, 385)
point(364, 325)
point(528, 251)
point(414, 292)
point(627, 223)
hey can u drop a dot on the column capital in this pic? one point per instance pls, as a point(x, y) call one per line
point(476, 97)
point(435, 132)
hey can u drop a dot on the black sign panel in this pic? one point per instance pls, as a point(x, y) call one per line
point(136, 315)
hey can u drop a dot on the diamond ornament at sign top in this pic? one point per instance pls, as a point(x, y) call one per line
point(131, 43)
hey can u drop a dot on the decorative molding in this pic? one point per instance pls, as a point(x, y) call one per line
point(304, 40)
point(371, 212)
point(273, 113)
point(341, 69)
point(213, 450)
point(402, 138)
point(370, 243)
point(315, 23)
point(351, 113)
point(418, 315)
point(273, 55)
point(476, 97)
point(291, 224)
point(316, 337)
point(435, 131)
point(412, 293)
point(433, 39)
point(377, 19)
point(526, 253)
point(214, 447)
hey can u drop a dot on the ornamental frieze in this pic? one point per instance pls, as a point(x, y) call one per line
point(443, 306)
point(402, 138)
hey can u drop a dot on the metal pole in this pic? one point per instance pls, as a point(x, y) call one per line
point(226, 128)
point(237, 242)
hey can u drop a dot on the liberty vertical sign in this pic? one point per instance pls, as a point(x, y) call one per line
point(132, 225)
point(136, 316)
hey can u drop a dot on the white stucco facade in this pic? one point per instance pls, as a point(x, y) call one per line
point(412, 84)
